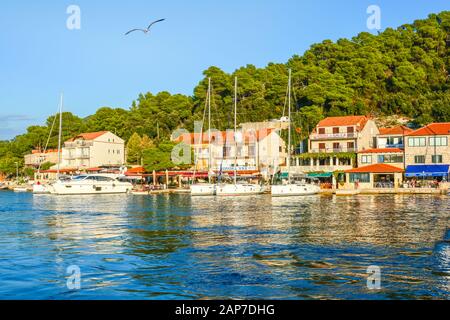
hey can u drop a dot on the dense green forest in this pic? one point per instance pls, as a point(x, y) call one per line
point(403, 71)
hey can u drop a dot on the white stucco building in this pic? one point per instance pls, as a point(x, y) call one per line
point(253, 150)
point(95, 149)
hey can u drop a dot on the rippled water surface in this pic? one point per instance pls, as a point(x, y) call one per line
point(175, 247)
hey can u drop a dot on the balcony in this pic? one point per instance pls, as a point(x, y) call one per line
point(333, 150)
point(77, 144)
point(76, 156)
point(333, 136)
point(397, 145)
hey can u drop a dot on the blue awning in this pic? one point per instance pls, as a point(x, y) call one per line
point(428, 171)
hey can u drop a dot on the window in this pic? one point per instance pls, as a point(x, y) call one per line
point(251, 151)
point(438, 141)
point(335, 130)
point(417, 142)
point(390, 158)
point(321, 130)
point(436, 159)
point(419, 159)
point(366, 159)
point(322, 146)
point(361, 177)
point(226, 151)
point(350, 129)
point(336, 146)
point(305, 162)
point(280, 149)
point(350, 146)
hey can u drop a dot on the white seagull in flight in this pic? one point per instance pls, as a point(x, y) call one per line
point(145, 30)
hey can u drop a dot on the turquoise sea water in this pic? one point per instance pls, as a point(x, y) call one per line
point(175, 247)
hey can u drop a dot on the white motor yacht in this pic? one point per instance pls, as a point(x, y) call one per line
point(90, 184)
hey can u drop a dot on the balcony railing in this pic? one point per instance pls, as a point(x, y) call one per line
point(333, 150)
point(331, 136)
point(398, 145)
point(79, 143)
point(76, 156)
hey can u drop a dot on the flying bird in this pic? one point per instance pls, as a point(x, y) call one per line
point(145, 30)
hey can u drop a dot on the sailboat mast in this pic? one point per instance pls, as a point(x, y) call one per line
point(209, 129)
point(235, 130)
point(289, 130)
point(59, 135)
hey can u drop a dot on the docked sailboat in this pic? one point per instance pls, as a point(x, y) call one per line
point(238, 189)
point(39, 188)
point(292, 188)
point(206, 189)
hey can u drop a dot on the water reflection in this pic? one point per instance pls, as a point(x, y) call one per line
point(178, 247)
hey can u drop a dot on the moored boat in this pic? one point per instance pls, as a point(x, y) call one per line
point(292, 188)
point(239, 189)
point(205, 189)
point(301, 189)
point(39, 188)
point(20, 189)
point(90, 184)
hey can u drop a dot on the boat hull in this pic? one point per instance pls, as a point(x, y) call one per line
point(89, 189)
point(239, 189)
point(291, 190)
point(203, 189)
point(40, 189)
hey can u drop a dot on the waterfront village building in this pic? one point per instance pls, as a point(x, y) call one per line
point(38, 157)
point(277, 124)
point(95, 149)
point(390, 148)
point(262, 151)
point(334, 143)
point(373, 176)
point(393, 137)
point(427, 152)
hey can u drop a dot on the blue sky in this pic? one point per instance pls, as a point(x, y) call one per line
point(98, 66)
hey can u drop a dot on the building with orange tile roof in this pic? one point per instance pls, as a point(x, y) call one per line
point(375, 176)
point(334, 143)
point(38, 157)
point(428, 145)
point(255, 150)
point(93, 149)
point(392, 156)
point(393, 137)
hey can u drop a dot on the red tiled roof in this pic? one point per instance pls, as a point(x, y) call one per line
point(432, 130)
point(395, 130)
point(136, 170)
point(344, 121)
point(226, 136)
point(48, 151)
point(376, 168)
point(385, 150)
point(88, 136)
